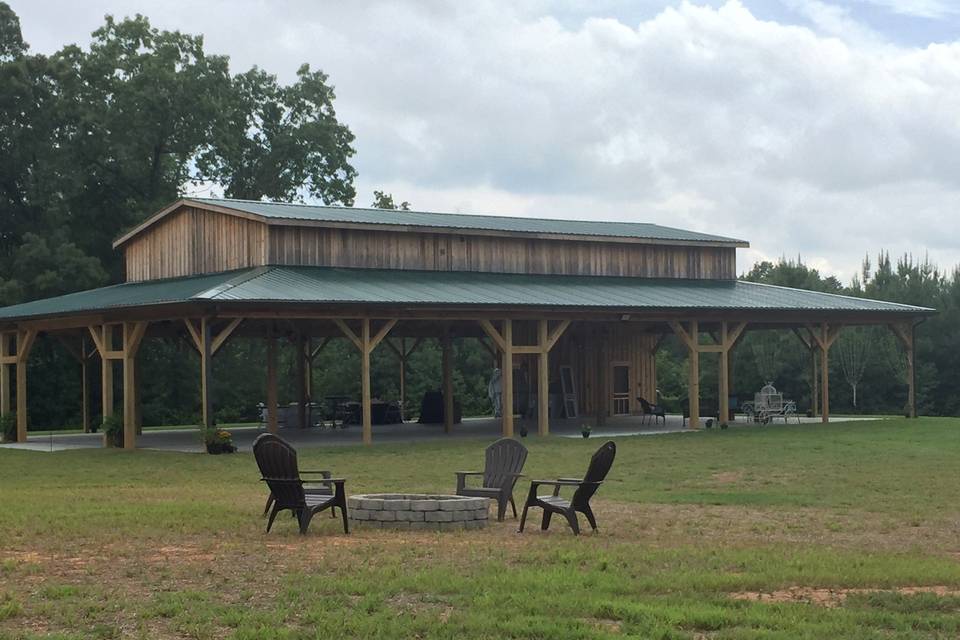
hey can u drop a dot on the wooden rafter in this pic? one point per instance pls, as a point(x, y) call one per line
point(224, 335)
point(348, 332)
point(495, 335)
point(555, 334)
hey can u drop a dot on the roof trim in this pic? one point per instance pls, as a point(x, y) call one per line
point(720, 242)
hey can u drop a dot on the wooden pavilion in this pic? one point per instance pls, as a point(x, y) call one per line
point(584, 305)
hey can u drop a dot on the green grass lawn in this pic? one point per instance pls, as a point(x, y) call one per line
point(849, 530)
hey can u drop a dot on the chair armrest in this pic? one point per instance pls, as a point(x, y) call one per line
point(326, 474)
point(469, 473)
point(561, 483)
point(577, 480)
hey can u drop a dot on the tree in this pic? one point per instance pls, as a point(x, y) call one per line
point(278, 142)
point(853, 350)
point(383, 200)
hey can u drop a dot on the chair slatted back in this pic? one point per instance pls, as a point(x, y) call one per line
point(278, 466)
point(504, 457)
point(645, 406)
point(600, 465)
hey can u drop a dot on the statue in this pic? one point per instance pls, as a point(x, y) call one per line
point(495, 393)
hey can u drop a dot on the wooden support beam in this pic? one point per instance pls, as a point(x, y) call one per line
point(694, 379)
point(446, 347)
point(555, 334)
point(723, 372)
point(206, 361)
point(315, 351)
point(348, 332)
point(272, 418)
point(224, 335)
point(402, 356)
point(106, 375)
point(526, 349)
point(506, 375)
point(25, 340)
point(133, 333)
point(194, 333)
point(546, 341)
point(300, 348)
point(683, 335)
point(365, 399)
point(498, 339)
point(85, 387)
point(6, 340)
point(382, 333)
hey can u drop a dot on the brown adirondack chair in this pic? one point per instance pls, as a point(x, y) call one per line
point(278, 465)
point(503, 463)
point(600, 465)
point(319, 487)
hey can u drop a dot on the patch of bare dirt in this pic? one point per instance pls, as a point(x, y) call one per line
point(418, 604)
point(727, 477)
point(834, 597)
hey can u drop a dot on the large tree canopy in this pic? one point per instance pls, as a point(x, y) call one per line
point(94, 139)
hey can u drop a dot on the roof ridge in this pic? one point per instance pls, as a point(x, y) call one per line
point(705, 237)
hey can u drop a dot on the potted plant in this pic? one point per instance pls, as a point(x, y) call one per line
point(585, 430)
point(113, 430)
point(523, 431)
point(8, 427)
point(218, 441)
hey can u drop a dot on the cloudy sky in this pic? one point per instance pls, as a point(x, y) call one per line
point(808, 127)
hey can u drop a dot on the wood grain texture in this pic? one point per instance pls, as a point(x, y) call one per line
point(192, 241)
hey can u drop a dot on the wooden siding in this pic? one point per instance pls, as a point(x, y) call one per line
point(581, 349)
point(192, 241)
point(443, 252)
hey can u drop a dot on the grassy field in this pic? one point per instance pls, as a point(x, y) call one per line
point(845, 531)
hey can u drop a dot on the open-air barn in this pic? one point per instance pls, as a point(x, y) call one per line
point(583, 305)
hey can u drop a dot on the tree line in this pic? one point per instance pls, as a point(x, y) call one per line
point(95, 138)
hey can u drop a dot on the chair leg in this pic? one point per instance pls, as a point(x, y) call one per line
point(304, 517)
point(523, 517)
point(266, 508)
point(513, 505)
point(273, 514)
point(545, 523)
point(572, 520)
point(501, 508)
point(346, 523)
point(588, 512)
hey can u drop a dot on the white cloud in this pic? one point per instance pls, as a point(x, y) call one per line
point(826, 142)
point(932, 9)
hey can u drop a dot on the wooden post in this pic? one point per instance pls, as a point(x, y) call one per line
point(815, 384)
point(206, 403)
point(301, 381)
point(543, 380)
point(25, 340)
point(403, 377)
point(694, 379)
point(912, 373)
point(106, 376)
point(507, 379)
point(84, 385)
point(308, 356)
point(5, 340)
point(272, 418)
point(824, 379)
point(723, 372)
point(365, 400)
point(447, 365)
point(603, 377)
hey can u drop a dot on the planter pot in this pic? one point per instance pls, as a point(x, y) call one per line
point(523, 432)
point(218, 448)
point(585, 434)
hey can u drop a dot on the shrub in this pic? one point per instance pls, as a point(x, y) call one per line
point(8, 426)
point(218, 440)
point(113, 430)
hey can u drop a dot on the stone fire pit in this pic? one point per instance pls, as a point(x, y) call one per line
point(417, 511)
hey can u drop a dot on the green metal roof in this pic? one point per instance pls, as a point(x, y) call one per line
point(353, 215)
point(332, 286)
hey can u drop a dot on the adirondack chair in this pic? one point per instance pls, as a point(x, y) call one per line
point(278, 465)
point(501, 469)
point(655, 410)
point(600, 465)
point(325, 487)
